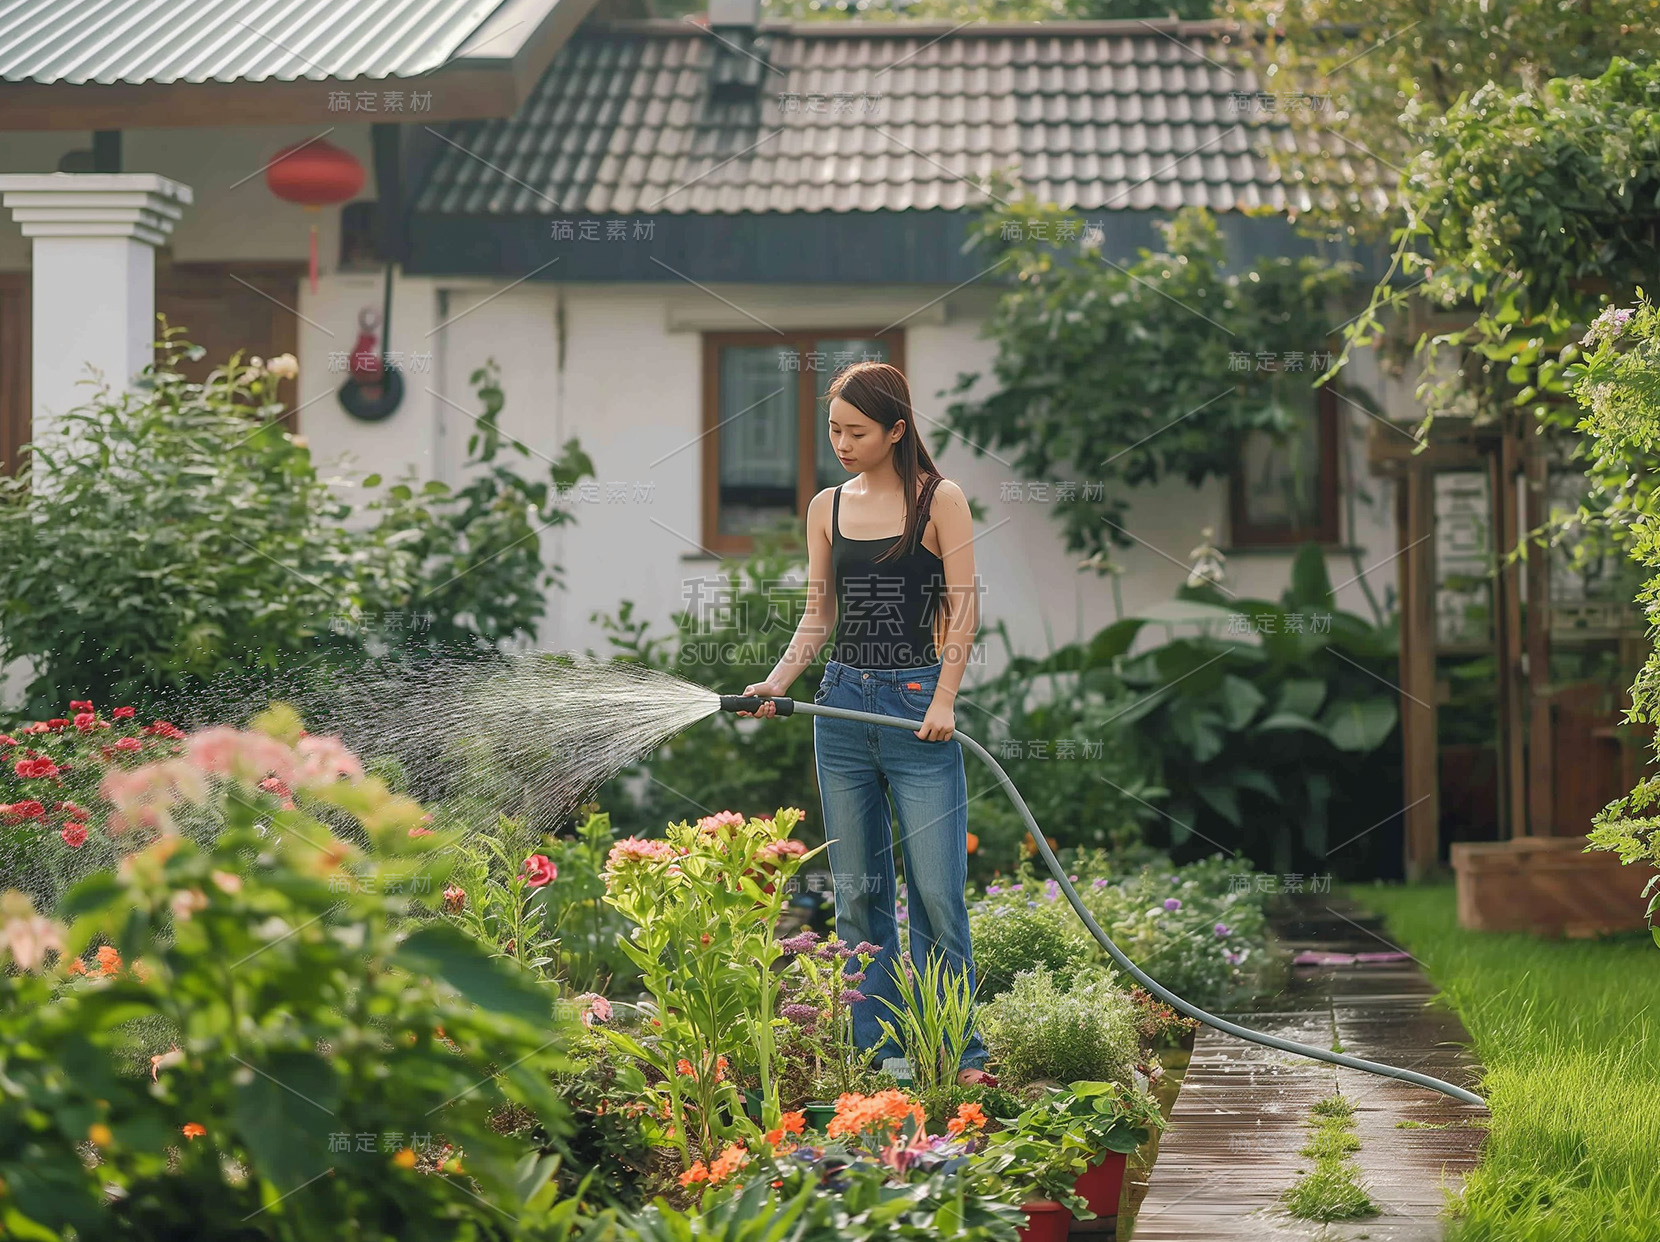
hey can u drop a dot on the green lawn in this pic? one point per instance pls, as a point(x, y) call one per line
point(1566, 1030)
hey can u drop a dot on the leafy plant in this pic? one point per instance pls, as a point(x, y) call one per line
point(217, 549)
point(1109, 1116)
point(821, 992)
point(1039, 1031)
point(1011, 937)
point(1267, 745)
point(1083, 370)
point(704, 903)
point(286, 1002)
point(933, 1020)
point(501, 894)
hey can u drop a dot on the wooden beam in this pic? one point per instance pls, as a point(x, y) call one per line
point(1541, 749)
point(1507, 640)
point(1420, 750)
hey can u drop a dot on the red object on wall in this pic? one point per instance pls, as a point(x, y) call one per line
point(314, 174)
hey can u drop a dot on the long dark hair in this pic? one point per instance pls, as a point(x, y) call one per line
point(878, 391)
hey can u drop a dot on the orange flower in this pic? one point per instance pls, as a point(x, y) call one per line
point(193, 1131)
point(697, 1173)
point(969, 1117)
point(109, 961)
point(973, 842)
point(886, 1110)
point(683, 1066)
point(728, 1163)
point(100, 1134)
point(793, 1123)
point(77, 967)
point(405, 1159)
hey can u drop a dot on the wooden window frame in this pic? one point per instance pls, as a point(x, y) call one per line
point(808, 429)
point(1328, 529)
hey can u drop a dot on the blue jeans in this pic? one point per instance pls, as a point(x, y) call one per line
point(858, 766)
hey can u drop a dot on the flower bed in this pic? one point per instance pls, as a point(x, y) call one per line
point(297, 1004)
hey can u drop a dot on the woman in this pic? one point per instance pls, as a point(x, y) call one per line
point(890, 561)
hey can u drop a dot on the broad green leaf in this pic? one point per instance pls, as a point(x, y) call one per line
point(1361, 725)
point(443, 951)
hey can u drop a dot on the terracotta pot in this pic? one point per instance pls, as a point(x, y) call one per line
point(819, 1115)
point(1046, 1221)
point(1103, 1182)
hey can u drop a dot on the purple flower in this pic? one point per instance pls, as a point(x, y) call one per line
point(899, 914)
point(831, 950)
point(854, 976)
point(851, 996)
point(1223, 931)
point(993, 889)
point(1073, 878)
point(1232, 958)
point(1052, 890)
point(802, 942)
point(806, 1015)
point(1172, 904)
point(865, 949)
point(1101, 883)
point(1015, 888)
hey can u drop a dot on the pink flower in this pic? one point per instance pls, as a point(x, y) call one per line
point(122, 713)
point(74, 835)
point(129, 744)
point(323, 760)
point(74, 810)
point(86, 722)
point(80, 705)
point(635, 850)
point(778, 851)
point(225, 751)
point(539, 870)
point(713, 823)
point(595, 1008)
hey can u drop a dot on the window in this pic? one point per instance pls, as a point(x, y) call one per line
point(766, 449)
point(1286, 493)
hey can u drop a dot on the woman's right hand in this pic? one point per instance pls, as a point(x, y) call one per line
point(772, 688)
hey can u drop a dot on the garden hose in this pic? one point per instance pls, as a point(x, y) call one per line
point(787, 707)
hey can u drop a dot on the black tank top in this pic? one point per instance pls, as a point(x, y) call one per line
point(885, 610)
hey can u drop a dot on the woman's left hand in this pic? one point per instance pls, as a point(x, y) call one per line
point(939, 724)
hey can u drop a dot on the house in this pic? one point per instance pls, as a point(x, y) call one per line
point(667, 234)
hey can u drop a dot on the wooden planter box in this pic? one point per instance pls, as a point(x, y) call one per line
point(1549, 885)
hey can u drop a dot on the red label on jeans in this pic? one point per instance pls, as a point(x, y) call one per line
point(913, 685)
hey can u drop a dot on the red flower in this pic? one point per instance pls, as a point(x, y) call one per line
point(80, 705)
point(74, 834)
point(122, 713)
point(162, 729)
point(7, 739)
point(129, 744)
point(57, 724)
point(86, 722)
point(74, 810)
point(16, 812)
point(32, 769)
point(539, 870)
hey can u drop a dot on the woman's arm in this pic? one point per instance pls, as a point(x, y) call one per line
point(961, 600)
point(813, 630)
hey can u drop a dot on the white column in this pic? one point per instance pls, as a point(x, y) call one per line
point(94, 287)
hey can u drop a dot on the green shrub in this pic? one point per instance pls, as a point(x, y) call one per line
point(218, 550)
point(1038, 1030)
point(1008, 939)
point(276, 1039)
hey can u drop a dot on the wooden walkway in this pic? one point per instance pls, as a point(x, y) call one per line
point(1232, 1144)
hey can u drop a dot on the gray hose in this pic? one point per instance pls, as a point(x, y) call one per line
point(785, 707)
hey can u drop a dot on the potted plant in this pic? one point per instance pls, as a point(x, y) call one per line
point(1045, 1165)
point(1112, 1120)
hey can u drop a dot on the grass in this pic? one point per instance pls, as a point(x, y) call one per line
point(1333, 1190)
point(1573, 1072)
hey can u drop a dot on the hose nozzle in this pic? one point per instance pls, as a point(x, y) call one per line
point(752, 702)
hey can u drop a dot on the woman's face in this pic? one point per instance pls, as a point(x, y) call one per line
point(861, 443)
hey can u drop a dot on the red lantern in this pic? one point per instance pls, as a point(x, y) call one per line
point(314, 174)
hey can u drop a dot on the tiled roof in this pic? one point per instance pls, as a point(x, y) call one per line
point(106, 41)
point(1092, 115)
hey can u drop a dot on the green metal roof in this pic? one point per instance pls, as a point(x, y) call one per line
point(140, 41)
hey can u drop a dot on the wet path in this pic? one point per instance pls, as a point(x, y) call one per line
point(1232, 1144)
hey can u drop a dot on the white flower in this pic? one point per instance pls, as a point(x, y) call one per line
point(283, 366)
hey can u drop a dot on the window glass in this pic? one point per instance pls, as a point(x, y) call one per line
point(1282, 479)
point(758, 434)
